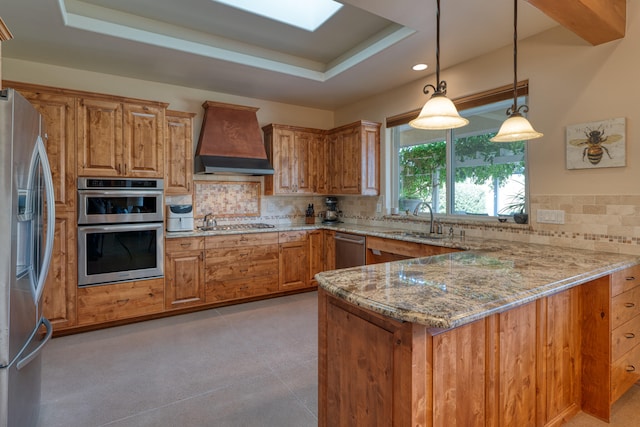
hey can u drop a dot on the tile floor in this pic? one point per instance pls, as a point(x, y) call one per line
point(252, 364)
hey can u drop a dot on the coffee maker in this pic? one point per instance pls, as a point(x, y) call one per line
point(331, 214)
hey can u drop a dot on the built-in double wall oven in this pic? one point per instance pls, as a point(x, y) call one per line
point(120, 230)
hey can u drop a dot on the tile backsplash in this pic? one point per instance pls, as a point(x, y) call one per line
point(597, 222)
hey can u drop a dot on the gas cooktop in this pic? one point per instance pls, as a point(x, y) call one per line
point(241, 226)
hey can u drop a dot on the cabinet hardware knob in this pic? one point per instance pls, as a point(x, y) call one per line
point(630, 278)
point(631, 368)
point(629, 304)
point(629, 335)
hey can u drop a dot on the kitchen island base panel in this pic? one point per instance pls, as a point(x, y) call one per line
point(520, 367)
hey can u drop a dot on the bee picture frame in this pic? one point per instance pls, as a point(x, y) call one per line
point(599, 144)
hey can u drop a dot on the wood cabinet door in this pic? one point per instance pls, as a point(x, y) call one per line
point(370, 163)
point(301, 165)
point(184, 277)
point(293, 259)
point(60, 290)
point(283, 161)
point(143, 154)
point(320, 156)
point(316, 254)
point(99, 138)
point(178, 153)
point(351, 163)
point(329, 250)
point(334, 162)
point(59, 114)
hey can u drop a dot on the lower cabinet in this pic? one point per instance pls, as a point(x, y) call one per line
point(184, 272)
point(611, 362)
point(386, 250)
point(98, 304)
point(240, 266)
point(316, 249)
point(516, 368)
point(294, 260)
point(59, 297)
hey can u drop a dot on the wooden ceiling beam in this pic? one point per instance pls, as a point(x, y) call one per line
point(596, 21)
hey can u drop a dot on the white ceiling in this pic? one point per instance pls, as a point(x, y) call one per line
point(367, 47)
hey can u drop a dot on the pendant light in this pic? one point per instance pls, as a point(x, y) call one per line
point(439, 111)
point(516, 127)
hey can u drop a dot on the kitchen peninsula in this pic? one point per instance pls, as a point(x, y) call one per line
point(506, 334)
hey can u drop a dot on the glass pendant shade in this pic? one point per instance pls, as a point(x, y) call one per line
point(516, 128)
point(438, 113)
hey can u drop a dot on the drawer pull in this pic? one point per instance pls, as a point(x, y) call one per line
point(244, 270)
point(244, 288)
point(629, 304)
point(243, 255)
point(630, 368)
point(185, 245)
point(629, 335)
point(630, 278)
point(122, 301)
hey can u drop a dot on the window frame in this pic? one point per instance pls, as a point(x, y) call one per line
point(464, 103)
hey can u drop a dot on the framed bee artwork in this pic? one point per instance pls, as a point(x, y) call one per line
point(596, 144)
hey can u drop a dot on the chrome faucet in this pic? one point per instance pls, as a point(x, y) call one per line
point(417, 209)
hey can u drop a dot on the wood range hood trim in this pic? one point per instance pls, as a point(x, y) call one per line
point(231, 141)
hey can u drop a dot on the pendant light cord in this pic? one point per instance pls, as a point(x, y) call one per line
point(515, 56)
point(438, 47)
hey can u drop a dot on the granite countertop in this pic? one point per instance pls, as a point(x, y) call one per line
point(446, 291)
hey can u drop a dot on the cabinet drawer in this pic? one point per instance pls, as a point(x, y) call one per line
point(238, 263)
point(218, 290)
point(292, 236)
point(624, 307)
point(625, 280)
point(625, 372)
point(244, 239)
point(625, 337)
point(184, 244)
point(121, 300)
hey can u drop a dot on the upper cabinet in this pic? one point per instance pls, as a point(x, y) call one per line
point(345, 160)
point(117, 138)
point(178, 153)
point(354, 159)
point(59, 114)
point(290, 151)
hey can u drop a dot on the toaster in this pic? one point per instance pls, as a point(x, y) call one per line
point(179, 218)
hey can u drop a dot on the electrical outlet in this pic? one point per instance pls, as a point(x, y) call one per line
point(549, 216)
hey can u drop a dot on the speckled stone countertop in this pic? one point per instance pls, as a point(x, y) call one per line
point(450, 290)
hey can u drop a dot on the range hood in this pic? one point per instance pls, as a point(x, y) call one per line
point(231, 142)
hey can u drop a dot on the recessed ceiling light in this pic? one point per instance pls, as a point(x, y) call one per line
point(308, 14)
point(419, 67)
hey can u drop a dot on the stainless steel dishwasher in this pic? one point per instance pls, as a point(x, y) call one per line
point(350, 250)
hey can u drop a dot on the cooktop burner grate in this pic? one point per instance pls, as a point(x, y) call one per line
point(245, 226)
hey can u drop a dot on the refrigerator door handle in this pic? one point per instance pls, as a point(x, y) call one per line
point(51, 220)
point(29, 357)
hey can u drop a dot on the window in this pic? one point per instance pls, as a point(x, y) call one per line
point(459, 171)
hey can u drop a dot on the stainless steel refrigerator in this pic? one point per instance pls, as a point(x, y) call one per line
point(27, 221)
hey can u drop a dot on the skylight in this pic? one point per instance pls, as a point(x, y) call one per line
point(308, 14)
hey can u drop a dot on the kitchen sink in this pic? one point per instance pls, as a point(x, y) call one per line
point(416, 234)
